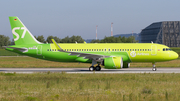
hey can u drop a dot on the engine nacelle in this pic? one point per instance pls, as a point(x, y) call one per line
point(112, 63)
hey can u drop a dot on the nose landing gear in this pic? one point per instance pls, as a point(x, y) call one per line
point(154, 67)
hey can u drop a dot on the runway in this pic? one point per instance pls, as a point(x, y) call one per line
point(86, 70)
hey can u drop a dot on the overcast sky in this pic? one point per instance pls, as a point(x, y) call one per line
point(63, 18)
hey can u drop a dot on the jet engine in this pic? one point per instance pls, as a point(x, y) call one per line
point(112, 63)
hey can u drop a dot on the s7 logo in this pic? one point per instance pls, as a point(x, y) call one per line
point(16, 34)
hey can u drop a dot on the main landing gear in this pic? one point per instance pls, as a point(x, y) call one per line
point(92, 68)
point(154, 67)
point(97, 68)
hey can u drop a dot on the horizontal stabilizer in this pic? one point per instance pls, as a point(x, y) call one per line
point(20, 49)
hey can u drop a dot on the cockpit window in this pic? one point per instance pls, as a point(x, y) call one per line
point(166, 49)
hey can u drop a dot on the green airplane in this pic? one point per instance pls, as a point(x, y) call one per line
point(109, 55)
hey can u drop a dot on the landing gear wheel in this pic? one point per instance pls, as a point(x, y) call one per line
point(91, 68)
point(98, 68)
point(154, 69)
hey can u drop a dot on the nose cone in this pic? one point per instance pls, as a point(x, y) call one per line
point(175, 55)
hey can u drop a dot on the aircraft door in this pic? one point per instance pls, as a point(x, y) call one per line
point(39, 50)
point(153, 50)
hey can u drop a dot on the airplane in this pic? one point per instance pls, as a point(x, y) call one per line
point(109, 55)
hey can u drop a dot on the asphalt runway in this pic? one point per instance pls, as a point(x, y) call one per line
point(86, 70)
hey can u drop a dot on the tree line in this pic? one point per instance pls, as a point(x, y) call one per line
point(5, 40)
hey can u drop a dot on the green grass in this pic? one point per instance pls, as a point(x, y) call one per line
point(89, 87)
point(4, 52)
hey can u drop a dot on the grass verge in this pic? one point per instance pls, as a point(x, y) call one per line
point(89, 87)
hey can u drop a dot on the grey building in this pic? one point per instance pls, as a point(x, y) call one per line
point(166, 32)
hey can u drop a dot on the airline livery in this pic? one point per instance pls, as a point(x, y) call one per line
point(109, 55)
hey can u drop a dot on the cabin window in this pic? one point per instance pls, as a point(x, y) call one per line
point(127, 49)
point(99, 49)
point(52, 49)
point(47, 49)
point(143, 49)
point(79, 49)
point(89, 49)
point(84, 49)
point(104, 49)
point(74, 49)
point(94, 49)
point(109, 49)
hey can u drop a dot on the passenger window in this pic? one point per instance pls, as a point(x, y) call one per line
point(79, 49)
point(132, 49)
point(84, 49)
point(47, 49)
point(113, 49)
point(117, 49)
point(102, 49)
point(127, 49)
point(120, 49)
point(94, 49)
point(99, 49)
point(145, 49)
point(135, 49)
point(52, 49)
point(74, 49)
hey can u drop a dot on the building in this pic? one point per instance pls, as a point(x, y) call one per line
point(166, 32)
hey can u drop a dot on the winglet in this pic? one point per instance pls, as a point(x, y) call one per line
point(57, 46)
point(85, 42)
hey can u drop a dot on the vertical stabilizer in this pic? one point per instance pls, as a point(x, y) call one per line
point(20, 33)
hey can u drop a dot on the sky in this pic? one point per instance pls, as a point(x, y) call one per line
point(63, 18)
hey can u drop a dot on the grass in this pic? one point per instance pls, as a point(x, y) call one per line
point(89, 87)
point(28, 62)
point(4, 52)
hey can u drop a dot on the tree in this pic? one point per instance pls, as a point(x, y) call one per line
point(49, 39)
point(4, 41)
point(41, 38)
point(72, 39)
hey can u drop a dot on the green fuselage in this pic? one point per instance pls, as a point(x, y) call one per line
point(138, 52)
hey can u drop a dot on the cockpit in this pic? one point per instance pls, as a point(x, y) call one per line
point(167, 49)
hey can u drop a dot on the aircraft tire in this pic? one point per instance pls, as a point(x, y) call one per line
point(98, 68)
point(154, 69)
point(92, 68)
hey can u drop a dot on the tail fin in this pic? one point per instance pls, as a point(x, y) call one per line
point(21, 34)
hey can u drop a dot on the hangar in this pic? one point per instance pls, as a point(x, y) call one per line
point(166, 32)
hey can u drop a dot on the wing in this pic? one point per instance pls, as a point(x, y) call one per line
point(85, 55)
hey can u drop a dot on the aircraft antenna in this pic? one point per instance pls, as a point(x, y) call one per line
point(96, 31)
point(112, 29)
